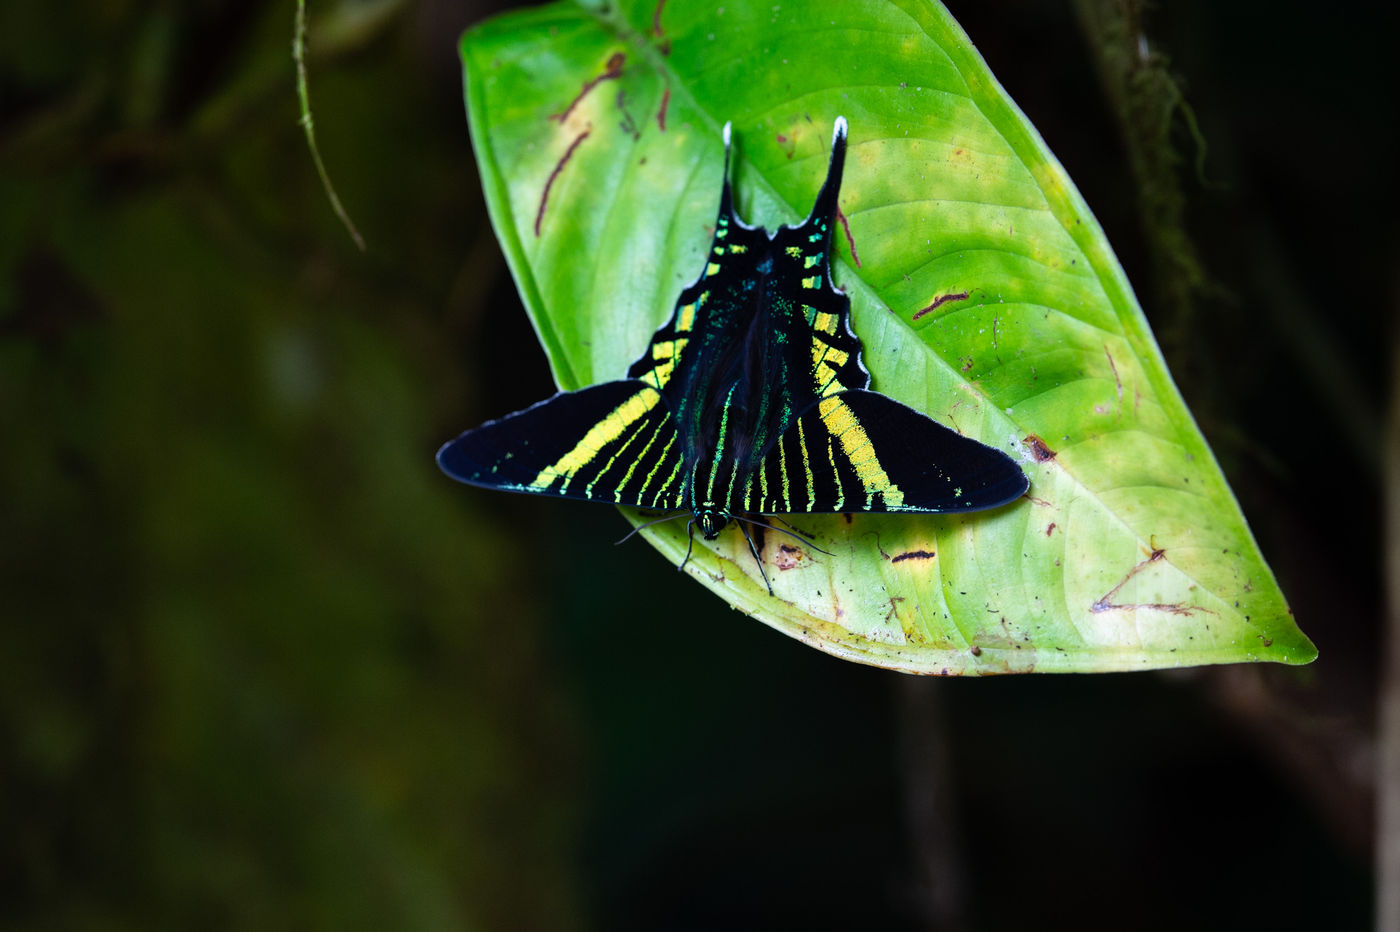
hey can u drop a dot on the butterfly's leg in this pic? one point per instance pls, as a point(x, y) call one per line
point(690, 533)
point(795, 534)
point(757, 559)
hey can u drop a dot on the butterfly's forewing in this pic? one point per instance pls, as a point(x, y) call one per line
point(615, 442)
point(862, 451)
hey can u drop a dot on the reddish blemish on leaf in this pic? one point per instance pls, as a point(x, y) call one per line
point(876, 535)
point(1038, 448)
point(612, 70)
point(940, 301)
point(657, 32)
point(1116, 380)
point(855, 256)
point(661, 114)
point(563, 160)
point(627, 125)
point(975, 651)
point(789, 557)
point(1050, 529)
point(1106, 603)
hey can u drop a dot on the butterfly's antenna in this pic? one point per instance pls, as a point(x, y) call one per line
point(785, 523)
point(643, 527)
point(793, 534)
point(690, 533)
point(754, 550)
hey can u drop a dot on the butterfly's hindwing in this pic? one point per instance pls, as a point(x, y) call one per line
point(759, 336)
point(862, 451)
point(614, 442)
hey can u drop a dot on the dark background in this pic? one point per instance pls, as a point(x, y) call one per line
point(262, 665)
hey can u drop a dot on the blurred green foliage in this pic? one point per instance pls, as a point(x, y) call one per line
point(250, 675)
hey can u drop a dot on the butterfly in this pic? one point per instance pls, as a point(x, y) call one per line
point(751, 400)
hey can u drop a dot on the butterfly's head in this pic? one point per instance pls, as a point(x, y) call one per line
point(711, 521)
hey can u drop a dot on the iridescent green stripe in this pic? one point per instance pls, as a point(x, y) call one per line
point(665, 486)
point(806, 467)
point(617, 495)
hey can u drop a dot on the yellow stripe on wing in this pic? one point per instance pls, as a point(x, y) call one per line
point(599, 435)
point(860, 452)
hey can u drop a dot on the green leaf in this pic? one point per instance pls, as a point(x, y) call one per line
point(597, 129)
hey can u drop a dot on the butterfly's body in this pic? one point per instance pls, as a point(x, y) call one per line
point(752, 399)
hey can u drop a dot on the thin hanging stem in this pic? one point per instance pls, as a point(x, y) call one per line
point(304, 93)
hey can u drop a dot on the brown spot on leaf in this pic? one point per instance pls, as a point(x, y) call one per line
point(940, 301)
point(612, 70)
point(559, 166)
point(855, 256)
point(876, 535)
point(789, 557)
point(661, 114)
point(1038, 448)
point(627, 124)
point(913, 555)
point(1118, 382)
point(1106, 604)
point(657, 31)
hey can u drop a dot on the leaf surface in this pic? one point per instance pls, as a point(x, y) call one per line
point(982, 287)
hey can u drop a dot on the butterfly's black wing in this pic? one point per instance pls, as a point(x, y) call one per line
point(863, 451)
point(754, 391)
point(615, 442)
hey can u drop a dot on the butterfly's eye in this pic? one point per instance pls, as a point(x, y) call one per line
point(711, 523)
